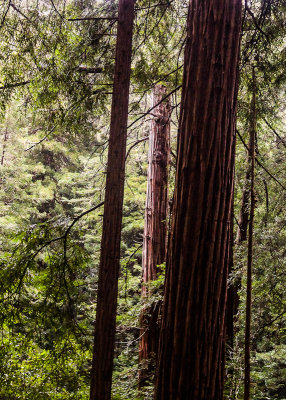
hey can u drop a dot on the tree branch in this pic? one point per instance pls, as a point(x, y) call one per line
point(275, 132)
point(65, 235)
point(259, 163)
point(89, 70)
point(13, 85)
point(152, 108)
point(135, 144)
point(254, 20)
point(93, 19)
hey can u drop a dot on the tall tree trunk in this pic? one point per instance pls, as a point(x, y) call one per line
point(191, 353)
point(241, 236)
point(104, 338)
point(155, 228)
point(232, 291)
point(250, 246)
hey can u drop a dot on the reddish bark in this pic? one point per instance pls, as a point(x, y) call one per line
point(101, 377)
point(250, 246)
point(155, 228)
point(191, 353)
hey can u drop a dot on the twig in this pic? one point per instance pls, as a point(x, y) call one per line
point(135, 144)
point(56, 10)
point(40, 141)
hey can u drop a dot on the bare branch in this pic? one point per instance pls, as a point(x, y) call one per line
point(135, 144)
point(275, 132)
point(20, 12)
point(259, 163)
point(152, 108)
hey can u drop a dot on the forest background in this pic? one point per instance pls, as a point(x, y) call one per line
point(56, 78)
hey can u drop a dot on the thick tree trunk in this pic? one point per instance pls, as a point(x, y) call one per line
point(250, 246)
point(104, 338)
point(191, 353)
point(155, 228)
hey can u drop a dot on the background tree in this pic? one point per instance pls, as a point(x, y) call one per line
point(155, 229)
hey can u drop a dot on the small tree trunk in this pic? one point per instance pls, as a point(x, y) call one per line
point(241, 236)
point(5, 138)
point(191, 351)
point(250, 246)
point(155, 229)
point(104, 338)
point(243, 219)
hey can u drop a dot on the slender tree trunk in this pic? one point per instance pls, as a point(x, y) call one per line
point(155, 228)
point(243, 219)
point(191, 352)
point(104, 338)
point(241, 236)
point(232, 292)
point(250, 247)
point(5, 138)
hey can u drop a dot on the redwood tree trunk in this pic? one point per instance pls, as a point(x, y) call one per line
point(155, 228)
point(250, 246)
point(191, 353)
point(104, 338)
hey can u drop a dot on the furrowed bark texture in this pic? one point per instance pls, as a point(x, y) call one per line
point(155, 228)
point(250, 246)
point(191, 354)
point(111, 234)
